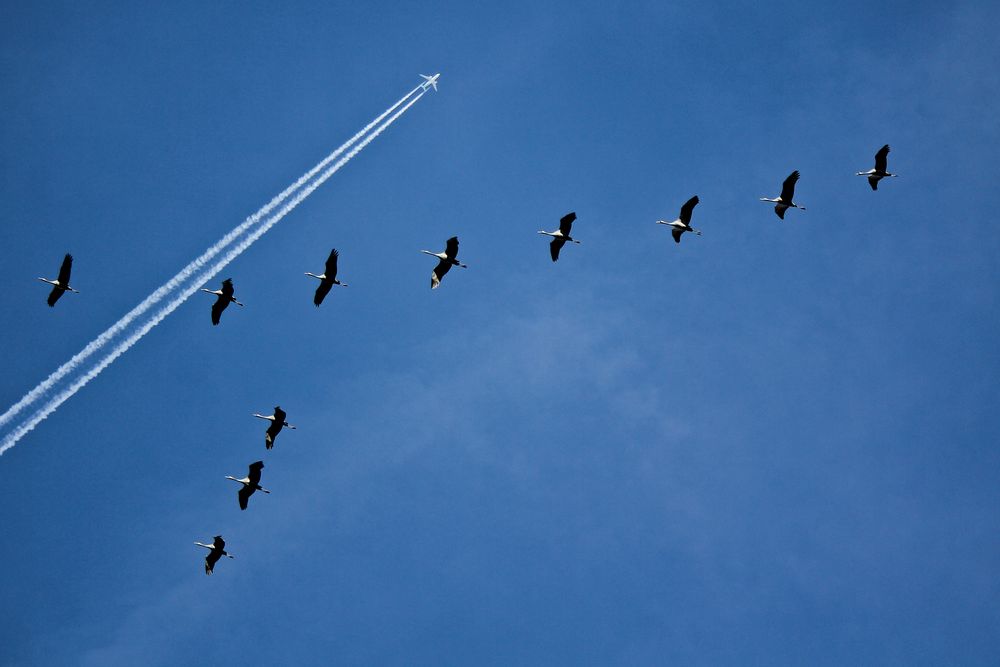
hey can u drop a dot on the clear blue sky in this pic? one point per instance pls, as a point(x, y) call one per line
point(774, 444)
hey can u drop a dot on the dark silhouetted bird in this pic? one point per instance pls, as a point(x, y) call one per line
point(879, 172)
point(277, 421)
point(250, 483)
point(561, 235)
point(61, 284)
point(217, 549)
point(447, 260)
point(683, 223)
point(225, 297)
point(328, 279)
point(784, 202)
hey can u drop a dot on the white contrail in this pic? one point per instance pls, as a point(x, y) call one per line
point(27, 425)
point(161, 292)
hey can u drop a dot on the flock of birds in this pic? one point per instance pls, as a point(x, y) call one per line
point(248, 485)
point(446, 259)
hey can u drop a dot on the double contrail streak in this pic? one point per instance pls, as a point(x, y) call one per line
point(161, 292)
point(186, 273)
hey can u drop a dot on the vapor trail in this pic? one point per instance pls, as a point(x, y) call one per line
point(161, 292)
point(53, 403)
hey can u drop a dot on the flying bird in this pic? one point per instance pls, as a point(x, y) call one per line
point(683, 222)
point(784, 202)
point(61, 284)
point(225, 297)
point(217, 549)
point(277, 421)
point(447, 260)
point(250, 483)
point(561, 235)
point(328, 279)
point(879, 172)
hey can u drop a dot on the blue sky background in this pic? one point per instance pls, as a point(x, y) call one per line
point(774, 444)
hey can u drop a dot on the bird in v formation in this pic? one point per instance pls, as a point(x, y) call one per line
point(277, 422)
point(224, 298)
point(446, 260)
point(216, 550)
point(250, 483)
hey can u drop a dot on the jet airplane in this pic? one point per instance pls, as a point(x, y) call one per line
point(430, 81)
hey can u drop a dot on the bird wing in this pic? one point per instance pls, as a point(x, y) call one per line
point(254, 475)
point(54, 296)
point(244, 495)
point(881, 162)
point(64, 270)
point(279, 414)
point(439, 271)
point(555, 247)
point(872, 181)
point(219, 543)
point(780, 210)
point(566, 223)
point(217, 308)
point(321, 291)
point(687, 209)
point(788, 187)
point(451, 248)
point(677, 234)
point(211, 559)
point(227, 289)
point(331, 264)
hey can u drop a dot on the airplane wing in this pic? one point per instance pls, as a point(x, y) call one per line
point(430, 80)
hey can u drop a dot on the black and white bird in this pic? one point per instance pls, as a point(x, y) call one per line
point(879, 172)
point(683, 222)
point(446, 261)
point(328, 279)
point(61, 284)
point(217, 549)
point(784, 202)
point(277, 422)
point(250, 483)
point(225, 297)
point(561, 235)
